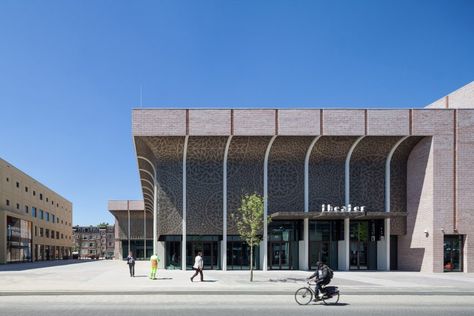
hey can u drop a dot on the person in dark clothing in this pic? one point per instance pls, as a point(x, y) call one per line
point(323, 277)
point(131, 264)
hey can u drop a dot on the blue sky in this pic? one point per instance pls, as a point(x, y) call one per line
point(71, 71)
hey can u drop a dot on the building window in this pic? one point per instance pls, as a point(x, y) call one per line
point(47, 216)
point(46, 199)
point(54, 218)
point(8, 180)
point(41, 214)
point(47, 233)
point(8, 202)
point(41, 196)
point(33, 211)
point(17, 184)
point(19, 241)
point(26, 209)
point(36, 231)
point(57, 235)
point(41, 232)
point(57, 220)
point(52, 234)
point(62, 236)
point(34, 192)
point(26, 189)
point(17, 206)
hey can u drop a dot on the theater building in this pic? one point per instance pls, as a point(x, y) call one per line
point(360, 189)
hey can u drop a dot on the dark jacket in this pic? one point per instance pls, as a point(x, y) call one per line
point(324, 273)
point(130, 260)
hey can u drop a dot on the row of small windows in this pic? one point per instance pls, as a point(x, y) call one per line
point(44, 232)
point(34, 194)
point(41, 215)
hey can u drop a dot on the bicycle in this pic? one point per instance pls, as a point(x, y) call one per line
point(304, 295)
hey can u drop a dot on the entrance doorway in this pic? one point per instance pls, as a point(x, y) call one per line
point(453, 254)
point(359, 238)
point(279, 255)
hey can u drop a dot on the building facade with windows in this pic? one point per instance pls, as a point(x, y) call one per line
point(360, 189)
point(95, 242)
point(133, 229)
point(35, 222)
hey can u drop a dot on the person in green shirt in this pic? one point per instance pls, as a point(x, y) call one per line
point(154, 266)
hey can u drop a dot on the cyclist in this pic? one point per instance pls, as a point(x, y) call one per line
point(323, 275)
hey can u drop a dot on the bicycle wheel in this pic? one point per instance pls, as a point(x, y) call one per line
point(333, 299)
point(303, 296)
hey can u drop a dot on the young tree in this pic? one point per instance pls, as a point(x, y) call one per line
point(249, 220)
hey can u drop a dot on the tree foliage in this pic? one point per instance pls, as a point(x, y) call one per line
point(249, 220)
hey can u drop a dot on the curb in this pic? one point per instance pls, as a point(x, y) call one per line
point(121, 293)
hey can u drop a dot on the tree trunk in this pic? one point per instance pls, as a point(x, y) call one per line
point(251, 263)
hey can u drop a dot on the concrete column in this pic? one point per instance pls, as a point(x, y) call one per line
point(265, 203)
point(128, 227)
point(347, 245)
point(387, 243)
point(144, 234)
point(347, 199)
point(155, 217)
point(305, 264)
point(160, 252)
point(224, 207)
point(183, 242)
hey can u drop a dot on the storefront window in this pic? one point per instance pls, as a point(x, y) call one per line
point(238, 254)
point(453, 254)
point(19, 241)
point(323, 246)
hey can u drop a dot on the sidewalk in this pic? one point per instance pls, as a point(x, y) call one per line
point(112, 278)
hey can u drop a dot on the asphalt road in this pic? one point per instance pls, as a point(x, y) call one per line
point(274, 305)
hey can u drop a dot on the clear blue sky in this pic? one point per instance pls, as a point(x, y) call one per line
point(70, 72)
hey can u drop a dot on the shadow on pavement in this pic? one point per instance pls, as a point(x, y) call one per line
point(39, 264)
point(288, 280)
point(338, 304)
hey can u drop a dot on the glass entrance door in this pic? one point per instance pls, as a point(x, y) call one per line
point(453, 254)
point(359, 236)
point(279, 254)
point(209, 251)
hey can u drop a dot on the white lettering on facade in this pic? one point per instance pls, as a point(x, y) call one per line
point(349, 208)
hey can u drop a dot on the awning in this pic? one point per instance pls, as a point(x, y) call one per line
point(335, 215)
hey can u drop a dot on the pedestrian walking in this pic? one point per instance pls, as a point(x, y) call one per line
point(131, 264)
point(198, 266)
point(154, 266)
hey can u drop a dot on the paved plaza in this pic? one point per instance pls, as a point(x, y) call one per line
point(112, 277)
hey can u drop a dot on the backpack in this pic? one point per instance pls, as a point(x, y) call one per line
point(330, 273)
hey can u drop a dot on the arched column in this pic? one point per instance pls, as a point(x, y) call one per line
point(224, 206)
point(305, 264)
point(155, 204)
point(265, 205)
point(183, 242)
point(347, 196)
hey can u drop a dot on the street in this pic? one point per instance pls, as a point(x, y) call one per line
point(210, 305)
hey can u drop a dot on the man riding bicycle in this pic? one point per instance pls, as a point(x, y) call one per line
point(323, 275)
